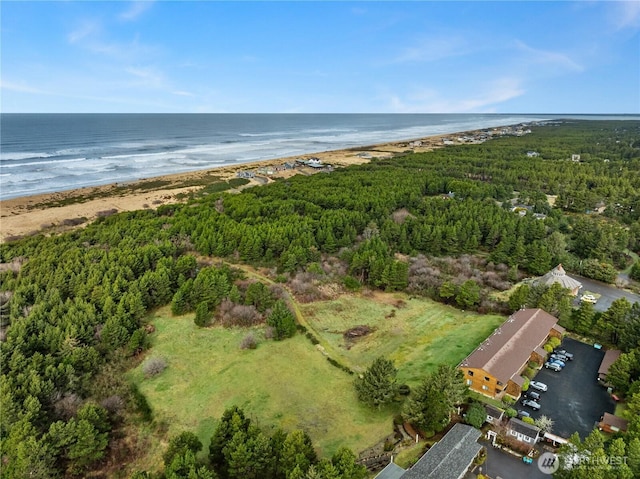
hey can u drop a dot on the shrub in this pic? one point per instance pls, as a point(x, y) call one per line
point(269, 332)
point(525, 384)
point(528, 420)
point(249, 342)
point(548, 348)
point(335, 363)
point(67, 406)
point(113, 404)
point(106, 213)
point(312, 338)
point(233, 314)
point(529, 373)
point(555, 342)
point(481, 457)
point(476, 415)
point(153, 366)
point(351, 283)
point(510, 412)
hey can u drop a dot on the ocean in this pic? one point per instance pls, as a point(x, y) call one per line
point(42, 153)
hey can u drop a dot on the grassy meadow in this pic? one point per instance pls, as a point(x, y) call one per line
point(417, 334)
point(290, 384)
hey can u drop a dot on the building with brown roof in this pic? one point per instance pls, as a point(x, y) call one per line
point(610, 423)
point(495, 367)
point(610, 357)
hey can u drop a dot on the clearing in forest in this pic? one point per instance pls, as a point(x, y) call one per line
point(287, 384)
point(417, 334)
point(290, 384)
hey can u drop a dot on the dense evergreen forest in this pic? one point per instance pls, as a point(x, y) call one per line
point(440, 224)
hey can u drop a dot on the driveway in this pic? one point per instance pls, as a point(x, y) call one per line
point(504, 465)
point(608, 293)
point(575, 400)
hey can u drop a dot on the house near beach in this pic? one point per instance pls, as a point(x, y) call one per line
point(495, 367)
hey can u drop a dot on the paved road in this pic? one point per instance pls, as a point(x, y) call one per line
point(504, 465)
point(608, 293)
point(575, 400)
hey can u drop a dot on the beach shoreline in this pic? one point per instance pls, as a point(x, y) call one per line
point(60, 211)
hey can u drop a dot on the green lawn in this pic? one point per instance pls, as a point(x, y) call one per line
point(289, 384)
point(417, 337)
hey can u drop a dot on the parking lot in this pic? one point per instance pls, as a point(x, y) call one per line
point(574, 399)
point(608, 294)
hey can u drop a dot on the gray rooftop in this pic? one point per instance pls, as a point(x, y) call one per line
point(392, 471)
point(558, 275)
point(450, 457)
point(522, 427)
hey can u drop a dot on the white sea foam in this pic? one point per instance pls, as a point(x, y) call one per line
point(112, 153)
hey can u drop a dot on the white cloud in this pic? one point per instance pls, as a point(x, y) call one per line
point(148, 76)
point(87, 29)
point(626, 14)
point(432, 49)
point(484, 101)
point(550, 58)
point(21, 88)
point(136, 9)
point(182, 93)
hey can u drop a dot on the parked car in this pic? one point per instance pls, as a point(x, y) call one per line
point(531, 403)
point(557, 361)
point(522, 414)
point(589, 298)
point(538, 385)
point(532, 395)
point(555, 366)
point(568, 355)
point(560, 357)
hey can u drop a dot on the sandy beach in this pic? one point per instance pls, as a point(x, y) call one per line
point(60, 211)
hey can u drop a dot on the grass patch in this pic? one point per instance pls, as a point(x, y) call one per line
point(410, 455)
point(287, 384)
point(417, 337)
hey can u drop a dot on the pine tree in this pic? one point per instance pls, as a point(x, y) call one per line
point(378, 385)
point(183, 442)
point(468, 294)
point(297, 454)
point(202, 314)
point(583, 318)
point(282, 320)
point(519, 297)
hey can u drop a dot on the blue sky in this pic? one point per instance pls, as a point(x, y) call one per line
point(306, 57)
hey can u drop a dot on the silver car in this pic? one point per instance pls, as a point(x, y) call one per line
point(531, 403)
point(555, 366)
point(538, 385)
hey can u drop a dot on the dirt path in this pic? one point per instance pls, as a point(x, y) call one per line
point(324, 346)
